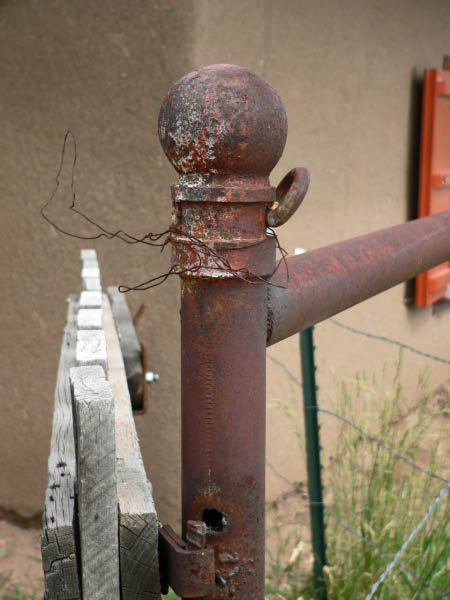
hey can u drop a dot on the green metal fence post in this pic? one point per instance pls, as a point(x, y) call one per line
point(313, 460)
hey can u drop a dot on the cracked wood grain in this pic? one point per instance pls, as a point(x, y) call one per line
point(93, 408)
point(138, 522)
point(58, 543)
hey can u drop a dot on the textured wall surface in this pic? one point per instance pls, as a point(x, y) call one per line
point(102, 70)
point(346, 71)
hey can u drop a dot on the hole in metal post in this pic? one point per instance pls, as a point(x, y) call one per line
point(214, 520)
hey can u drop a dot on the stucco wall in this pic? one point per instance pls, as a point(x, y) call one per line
point(346, 71)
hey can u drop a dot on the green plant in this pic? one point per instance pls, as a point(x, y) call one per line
point(374, 496)
point(11, 592)
point(171, 595)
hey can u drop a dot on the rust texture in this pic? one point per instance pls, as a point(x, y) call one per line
point(224, 129)
point(290, 193)
point(221, 123)
point(188, 570)
point(328, 280)
point(223, 426)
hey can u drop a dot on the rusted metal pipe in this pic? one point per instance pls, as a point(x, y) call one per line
point(328, 280)
point(223, 426)
point(224, 128)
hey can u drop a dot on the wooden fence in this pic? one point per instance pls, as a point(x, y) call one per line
point(100, 528)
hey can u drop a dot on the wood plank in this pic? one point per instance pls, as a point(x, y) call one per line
point(138, 522)
point(130, 347)
point(90, 271)
point(93, 406)
point(88, 254)
point(90, 299)
point(89, 262)
point(91, 284)
point(90, 318)
point(58, 543)
point(91, 348)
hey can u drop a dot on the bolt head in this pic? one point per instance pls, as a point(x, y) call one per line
point(151, 377)
point(222, 120)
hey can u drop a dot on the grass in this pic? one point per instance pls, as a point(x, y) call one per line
point(379, 497)
point(372, 495)
point(10, 592)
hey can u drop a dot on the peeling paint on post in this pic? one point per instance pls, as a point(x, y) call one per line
point(223, 128)
point(214, 129)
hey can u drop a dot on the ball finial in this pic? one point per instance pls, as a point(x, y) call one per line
point(223, 120)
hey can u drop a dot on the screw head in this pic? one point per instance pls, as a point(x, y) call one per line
point(151, 377)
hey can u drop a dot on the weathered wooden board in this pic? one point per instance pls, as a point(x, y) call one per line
point(91, 347)
point(98, 552)
point(93, 406)
point(90, 299)
point(91, 284)
point(130, 347)
point(88, 254)
point(90, 271)
point(90, 318)
point(138, 522)
point(58, 543)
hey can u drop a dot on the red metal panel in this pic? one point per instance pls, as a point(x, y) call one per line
point(434, 180)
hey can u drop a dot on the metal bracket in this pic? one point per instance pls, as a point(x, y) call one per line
point(190, 572)
point(289, 195)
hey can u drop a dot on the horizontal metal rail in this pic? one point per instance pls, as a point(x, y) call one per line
point(328, 280)
point(213, 129)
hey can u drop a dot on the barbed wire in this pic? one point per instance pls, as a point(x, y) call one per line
point(383, 338)
point(361, 538)
point(394, 560)
point(361, 431)
point(405, 544)
point(286, 370)
point(296, 486)
point(382, 553)
point(379, 443)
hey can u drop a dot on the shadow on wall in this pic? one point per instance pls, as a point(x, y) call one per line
point(412, 167)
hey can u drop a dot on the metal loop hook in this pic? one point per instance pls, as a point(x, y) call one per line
point(289, 195)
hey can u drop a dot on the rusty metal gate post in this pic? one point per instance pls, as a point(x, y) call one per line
point(224, 129)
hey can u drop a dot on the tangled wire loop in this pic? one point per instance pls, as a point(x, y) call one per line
point(160, 240)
